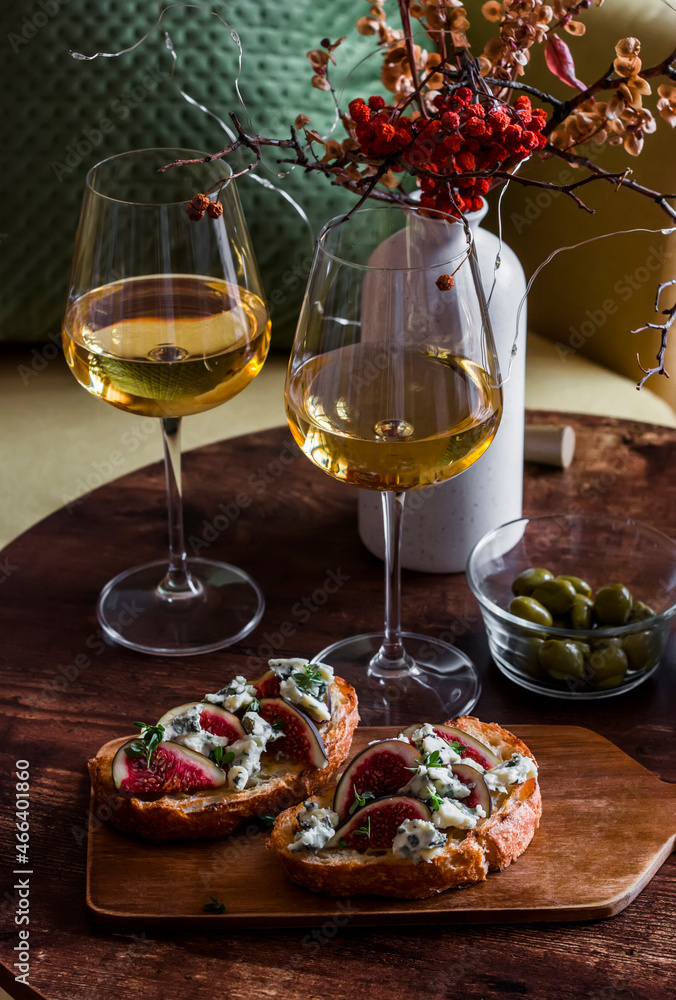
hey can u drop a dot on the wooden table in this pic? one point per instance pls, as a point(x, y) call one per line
point(64, 694)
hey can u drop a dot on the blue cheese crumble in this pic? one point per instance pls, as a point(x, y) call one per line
point(235, 695)
point(435, 781)
point(418, 840)
point(453, 812)
point(317, 827)
point(511, 772)
point(305, 685)
point(186, 729)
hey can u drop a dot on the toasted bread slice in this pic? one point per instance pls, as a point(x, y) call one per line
point(466, 858)
point(218, 811)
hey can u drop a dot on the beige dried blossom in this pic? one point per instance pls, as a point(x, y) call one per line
point(667, 103)
point(492, 10)
point(320, 82)
point(597, 122)
point(628, 65)
point(523, 23)
point(576, 28)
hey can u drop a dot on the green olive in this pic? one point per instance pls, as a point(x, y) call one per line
point(526, 582)
point(562, 659)
point(528, 657)
point(612, 604)
point(581, 612)
point(640, 612)
point(610, 682)
point(557, 595)
point(581, 586)
point(643, 649)
point(607, 661)
point(530, 610)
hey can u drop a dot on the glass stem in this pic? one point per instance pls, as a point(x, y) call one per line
point(178, 582)
point(392, 654)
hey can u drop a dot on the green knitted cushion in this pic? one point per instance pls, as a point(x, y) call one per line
point(62, 116)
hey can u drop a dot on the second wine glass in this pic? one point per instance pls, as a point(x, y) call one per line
point(393, 385)
point(165, 317)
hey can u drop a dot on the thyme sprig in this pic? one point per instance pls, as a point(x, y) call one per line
point(149, 739)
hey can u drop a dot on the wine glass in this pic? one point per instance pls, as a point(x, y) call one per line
point(165, 317)
point(393, 385)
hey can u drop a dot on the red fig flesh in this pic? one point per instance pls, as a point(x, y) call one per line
point(267, 686)
point(376, 824)
point(479, 795)
point(472, 747)
point(301, 739)
point(381, 769)
point(213, 719)
point(173, 768)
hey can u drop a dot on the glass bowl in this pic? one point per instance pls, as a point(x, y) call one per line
point(602, 550)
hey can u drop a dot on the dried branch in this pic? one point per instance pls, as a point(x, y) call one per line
point(659, 369)
point(410, 49)
point(253, 142)
point(625, 181)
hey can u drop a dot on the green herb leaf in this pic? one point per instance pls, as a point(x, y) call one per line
point(278, 724)
point(342, 842)
point(222, 757)
point(435, 802)
point(215, 906)
point(266, 821)
point(255, 706)
point(366, 829)
point(458, 747)
point(360, 800)
point(150, 739)
point(308, 679)
point(432, 759)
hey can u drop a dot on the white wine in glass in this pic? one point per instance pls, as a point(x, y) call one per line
point(166, 318)
point(393, 385)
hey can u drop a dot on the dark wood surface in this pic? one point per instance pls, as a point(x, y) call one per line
point(64, 694)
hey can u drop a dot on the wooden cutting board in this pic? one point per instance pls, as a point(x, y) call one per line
point(607, 826)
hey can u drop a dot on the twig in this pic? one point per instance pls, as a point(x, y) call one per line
point(410, 50)
point(658, 197)
point(253, 142)
point(659, 369)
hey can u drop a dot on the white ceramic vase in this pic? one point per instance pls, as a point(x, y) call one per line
point(442, 523)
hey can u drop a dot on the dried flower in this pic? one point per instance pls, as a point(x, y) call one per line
point(667, 103)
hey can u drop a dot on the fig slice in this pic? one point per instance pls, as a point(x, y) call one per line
point(381, 769)
point(472, 747)
point(375, 824)
point(301, 739)
point(479, 795)
point(173, 768)
point(213, 719)
point(267, 685)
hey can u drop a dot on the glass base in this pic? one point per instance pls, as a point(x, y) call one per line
point(138, 609)
point(441, 683)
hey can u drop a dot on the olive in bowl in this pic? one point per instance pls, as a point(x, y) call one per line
point(576, 606)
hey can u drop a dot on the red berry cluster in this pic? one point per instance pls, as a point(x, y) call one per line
point(463, 137)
